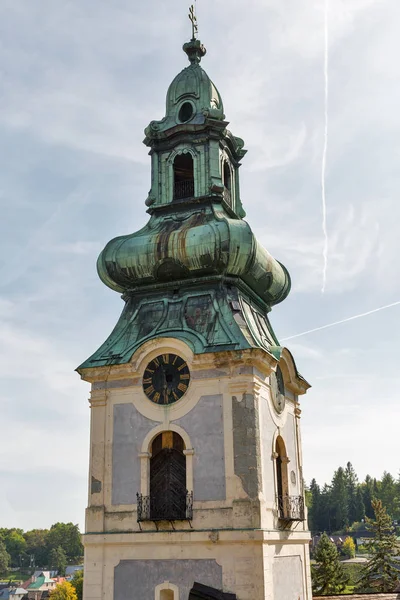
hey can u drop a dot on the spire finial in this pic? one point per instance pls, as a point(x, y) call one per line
point(194, 49)
point(193, 18)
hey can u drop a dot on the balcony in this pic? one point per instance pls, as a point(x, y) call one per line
point(167, 508)
point(291, 508)
point(183, 189)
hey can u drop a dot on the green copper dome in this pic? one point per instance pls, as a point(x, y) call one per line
point(192, 96)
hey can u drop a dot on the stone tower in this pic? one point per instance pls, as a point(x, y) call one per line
point(195, 451)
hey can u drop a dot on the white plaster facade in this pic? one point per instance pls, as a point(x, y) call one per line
point(259, 556)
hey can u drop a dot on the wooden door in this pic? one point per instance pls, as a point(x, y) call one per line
point(168, 481)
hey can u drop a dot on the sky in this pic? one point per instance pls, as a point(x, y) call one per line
point(79, 82)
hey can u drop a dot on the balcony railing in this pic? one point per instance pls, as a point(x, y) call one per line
point(183, 189)
point(291, 508)
point(150, 508)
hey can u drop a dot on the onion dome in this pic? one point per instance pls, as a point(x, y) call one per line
point(193, 244)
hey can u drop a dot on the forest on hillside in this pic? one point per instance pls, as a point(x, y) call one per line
point(343, 504)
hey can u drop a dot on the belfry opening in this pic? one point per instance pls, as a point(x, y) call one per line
point(183, 176)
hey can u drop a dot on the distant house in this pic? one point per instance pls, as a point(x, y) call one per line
point(72, 569)
point(40, 586)
point(12, 593)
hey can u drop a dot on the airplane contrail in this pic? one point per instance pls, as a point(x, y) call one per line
point(325, 150)
point(369, 312)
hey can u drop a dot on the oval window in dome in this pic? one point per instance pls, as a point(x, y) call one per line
point(185, 112)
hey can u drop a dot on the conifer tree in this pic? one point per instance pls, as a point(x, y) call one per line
point(339, 500)
point(351, 488)
point(380, 574)
point(328, 576)
point(360, 507)
point(368, 496)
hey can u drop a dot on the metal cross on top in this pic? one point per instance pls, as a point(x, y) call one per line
point(193, 18)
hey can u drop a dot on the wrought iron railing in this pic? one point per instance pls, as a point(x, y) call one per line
point(183, 189)
point(150, 508)
point(291, 508)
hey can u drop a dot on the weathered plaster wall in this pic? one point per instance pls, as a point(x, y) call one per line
point(138, 578)
point(130, 428)
point(246, 443)
point(288, 578)
point(204, 425)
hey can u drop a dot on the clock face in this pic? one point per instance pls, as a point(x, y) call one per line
point(166, 378)
point(277, 391)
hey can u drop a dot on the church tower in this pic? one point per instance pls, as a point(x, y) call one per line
point(195, 450)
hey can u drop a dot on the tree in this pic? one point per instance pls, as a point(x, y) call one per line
point(315, 506)
point(360, 507)
point(339, 500)
point(328, 576)
point(58, 560)
point(77, 582)
point(66, 535)
point(4, 557)
point(388, 494)
point(36, 545)
point(64, 591)
point(380, 574)
point(351, 488)
point(349, 547)
point(15, 545)
point(368, 496)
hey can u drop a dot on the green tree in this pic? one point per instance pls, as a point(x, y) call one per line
point(380, 574)
point(67, 536)
point(36, 545)
point(339, 501)
point(15, 545)
point(349, 547)
point(328, 576)
point(4, 557)
point(388, 493)
point(351, 490)
point(360, 507)
point(368, 496)
point(64, 591)
point(58, 560)
point(77, 582)
point(325, 509)
point(314, 508)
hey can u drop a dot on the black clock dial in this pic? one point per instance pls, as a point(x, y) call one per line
point(166, 379)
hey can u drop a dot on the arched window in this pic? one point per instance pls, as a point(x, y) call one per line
point(227, 183)
point(168, 478)
point(166, 591)
point(183, 176)
point(282, 484)
point(227, 176)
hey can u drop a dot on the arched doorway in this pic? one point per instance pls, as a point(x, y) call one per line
point(282, 485)
point(168, 477)
point(183, 176)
